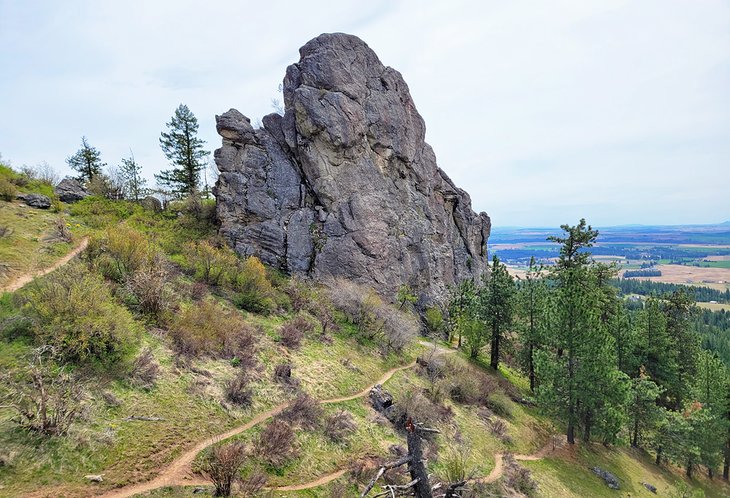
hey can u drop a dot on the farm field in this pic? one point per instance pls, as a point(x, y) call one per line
point(715, 278)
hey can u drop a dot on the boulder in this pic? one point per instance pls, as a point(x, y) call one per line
point(151, 203)
point(650, 487)
point(39, 201)
point(610, 479)
point(344, 184)
point(71, 190)
point(380, 399)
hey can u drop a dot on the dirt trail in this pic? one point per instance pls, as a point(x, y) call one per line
point(179, 472)
point(498, 469)
point(22, 280)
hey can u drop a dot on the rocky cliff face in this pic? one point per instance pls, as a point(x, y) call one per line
point(343, 184)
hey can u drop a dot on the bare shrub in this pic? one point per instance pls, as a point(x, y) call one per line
point(499, 429)
point(464, 389)
point(150, 286)
point(5, 230)
point(338, 490)
point(222, 465)
point(467, 385)
point(398, 328)
point(518, 478)
point(339, 426)
point(237, 390)
point(304, 297)
point(283, 375)
point(252, 484)
point(304, 411)
point(61, 230)
point(293, 331)
point(375, 320)
point(275, 444)
point(209, 328)
point(145, 370)
point(110, 399)
point(45, 397)
point(198, 290)
point(413, 404)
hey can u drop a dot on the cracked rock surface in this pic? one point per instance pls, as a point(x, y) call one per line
point(343, 184)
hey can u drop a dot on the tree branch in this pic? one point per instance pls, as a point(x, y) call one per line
point(381, 471)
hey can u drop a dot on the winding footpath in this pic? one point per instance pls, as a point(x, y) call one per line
point(179, 471)
point(22, 280)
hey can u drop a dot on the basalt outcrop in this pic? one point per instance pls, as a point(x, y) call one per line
point(343, 184)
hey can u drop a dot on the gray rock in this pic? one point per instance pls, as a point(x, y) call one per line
point(95, 477)
point(344, 184)
point(650, 487)
point(39, 201)
point(151, 203)
point(380, 399)
point(610, 479)
point(70, 190)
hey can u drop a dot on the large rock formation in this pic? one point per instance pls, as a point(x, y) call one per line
point(343, 183)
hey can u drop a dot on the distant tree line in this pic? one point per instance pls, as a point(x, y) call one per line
point(648, 272)
point(649, 288)
point(620, 374)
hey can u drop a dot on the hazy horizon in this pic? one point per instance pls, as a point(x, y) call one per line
point(613, 111)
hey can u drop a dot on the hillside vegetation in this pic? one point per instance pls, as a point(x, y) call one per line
point(131, 361)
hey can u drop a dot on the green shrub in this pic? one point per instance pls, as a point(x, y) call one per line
point(7, 189)
point(208, 328)
point(254, 292)
point(120, 252)
point(434, 320)
point(73, 310)
point(209, 263)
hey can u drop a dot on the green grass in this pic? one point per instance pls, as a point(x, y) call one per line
point(571, 475)
point(30, 244)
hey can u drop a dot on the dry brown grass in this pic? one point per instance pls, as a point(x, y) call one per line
point(694, 275)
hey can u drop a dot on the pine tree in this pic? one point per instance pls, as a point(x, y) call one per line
point(131, 173)
point(87, 161)
point(533, 309)
point(185, 152)
point(573, 315)
point(497, 306)
point(643, 410)
point(678, 308)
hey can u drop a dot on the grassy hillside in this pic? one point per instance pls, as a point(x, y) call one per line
point(205, 334)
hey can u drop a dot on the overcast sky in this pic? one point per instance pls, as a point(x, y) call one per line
point(545, 112)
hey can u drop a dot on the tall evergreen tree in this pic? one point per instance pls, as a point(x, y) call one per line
point(573, 316)
point(497, 302)
point(678, 308)
point(533, 309)
point(185, 151)
point(87, 161)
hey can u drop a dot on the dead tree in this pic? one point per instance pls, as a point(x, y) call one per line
point(419, 485)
